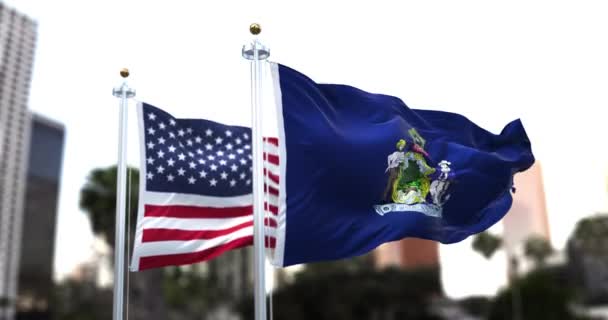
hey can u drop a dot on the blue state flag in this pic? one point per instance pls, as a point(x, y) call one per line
point(360, 169)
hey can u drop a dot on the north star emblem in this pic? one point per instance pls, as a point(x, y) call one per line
point(413, 185)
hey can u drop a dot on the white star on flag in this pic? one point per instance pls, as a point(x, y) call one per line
point(202, 160)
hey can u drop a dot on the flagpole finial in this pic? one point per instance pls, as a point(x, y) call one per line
point(124, 88)
point(255, 29)
point(255, 50)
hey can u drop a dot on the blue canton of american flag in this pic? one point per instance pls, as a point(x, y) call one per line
point(196, 189)
point(196, 156)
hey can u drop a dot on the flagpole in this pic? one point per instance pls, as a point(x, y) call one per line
point(122, 93)
point(256, 53)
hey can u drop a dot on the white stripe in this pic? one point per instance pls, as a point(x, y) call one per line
point(272, 168)
point(273, 200)
point(156, 248)
point(276, 171)
point(271, 183)
point(177, 247)
point(278, 253)
point(177, 199)
point(192, 224)
point(271, 149)
point(164, 199)
point(270, 231)
point(134, 266)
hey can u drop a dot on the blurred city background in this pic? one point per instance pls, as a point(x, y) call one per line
point(547, 259)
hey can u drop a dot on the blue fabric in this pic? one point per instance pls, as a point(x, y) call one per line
point(338, 139)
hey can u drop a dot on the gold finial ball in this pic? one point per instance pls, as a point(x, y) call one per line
point(255, 29)
point(124, 72)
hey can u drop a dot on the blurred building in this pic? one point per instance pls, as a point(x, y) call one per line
point(233, 271)
point(528, 214)
point(410, 253)
point(98, 268)
point(39, 219)
point(17, 43)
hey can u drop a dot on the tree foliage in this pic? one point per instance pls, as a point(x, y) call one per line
point(591, 235)
point(477, 306)
point(81, 300)
point(588, 259)
point(351, 289)
point(538, 249)
point(192, 291)
point(542, 294)
point(98, 200)
point(4, 301)
point(486, 244)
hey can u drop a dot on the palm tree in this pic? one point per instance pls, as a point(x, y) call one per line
point(486, 244)
point(538, 249)
point(98, 200)
point(591, 235)
point(588, 257)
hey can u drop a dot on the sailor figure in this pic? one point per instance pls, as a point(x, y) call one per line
point(440, 186)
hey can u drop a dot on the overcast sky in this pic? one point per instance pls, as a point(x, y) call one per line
point(542, 61)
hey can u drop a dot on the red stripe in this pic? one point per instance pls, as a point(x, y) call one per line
point(272, 158)
point(271, 242)
point(272, 190)
point(272, 176)
point(176, 211)
point(205, 212)
point(158, 234)
point(189, 258)
point(193, 257)
point(272, 208)
point(270, 222)
point(274, 141)
point(162, 234)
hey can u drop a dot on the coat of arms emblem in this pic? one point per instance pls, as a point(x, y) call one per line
point(413, 184)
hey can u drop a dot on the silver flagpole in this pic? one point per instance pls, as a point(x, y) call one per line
point(256, 52)
point(123, 93)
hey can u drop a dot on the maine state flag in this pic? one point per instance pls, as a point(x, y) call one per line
point(359, 169)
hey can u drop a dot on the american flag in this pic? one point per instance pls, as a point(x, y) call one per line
point(196, 189)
